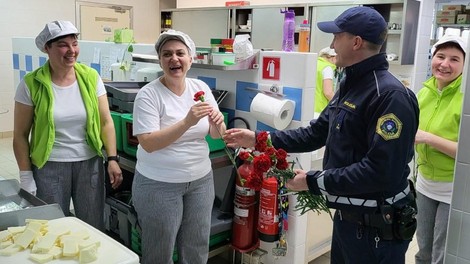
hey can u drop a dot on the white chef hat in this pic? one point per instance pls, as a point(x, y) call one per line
point(54, 30)
point(450, 38)
point(175, 35)
point(327, 51)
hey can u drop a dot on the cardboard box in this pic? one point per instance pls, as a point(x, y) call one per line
point(446, 20)
point(460, 8)
point(447, 13)
point(463, 19)
point(237, 3)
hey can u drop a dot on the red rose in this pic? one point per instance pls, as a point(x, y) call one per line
point(199, 96)
point(282, 164)
point(281, 154)
point(262, 163)
point(244, 155)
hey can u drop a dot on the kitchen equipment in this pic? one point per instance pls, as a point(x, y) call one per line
point(148, 74)
point(122, 94)
point(16, 205)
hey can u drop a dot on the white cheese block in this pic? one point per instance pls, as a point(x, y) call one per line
point(10, 250)
point(5, 244)
point(5, 235)
point(47, 242)
point(26, 238)
point(69, 248)
point(16, 229)
point(41, 258)
point(88, 254)
point(56, 252)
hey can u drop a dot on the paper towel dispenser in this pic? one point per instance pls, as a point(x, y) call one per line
point(148, 74)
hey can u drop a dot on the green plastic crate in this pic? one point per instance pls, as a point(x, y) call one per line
point(117, 127)
point(129, 142)
point(217, 144)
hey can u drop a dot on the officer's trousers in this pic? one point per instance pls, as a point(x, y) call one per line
point(354, 243)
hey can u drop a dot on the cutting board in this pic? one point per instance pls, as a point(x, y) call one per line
point(110, 251)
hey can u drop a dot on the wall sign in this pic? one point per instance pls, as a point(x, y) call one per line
point(271, 68)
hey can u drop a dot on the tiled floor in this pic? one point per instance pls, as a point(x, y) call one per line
point(9, 170)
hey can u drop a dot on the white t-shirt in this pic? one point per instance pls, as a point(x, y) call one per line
point(327, 73)
point(439, 191)
point(69, 120)
point(186, 159)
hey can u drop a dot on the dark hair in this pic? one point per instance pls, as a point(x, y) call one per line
point(48, 44)
point(449, 44)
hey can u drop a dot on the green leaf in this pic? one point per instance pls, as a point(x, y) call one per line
point(130, 48)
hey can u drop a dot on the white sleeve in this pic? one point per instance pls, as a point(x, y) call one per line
point(22, 94)
point(327, 73)
point(100, 89)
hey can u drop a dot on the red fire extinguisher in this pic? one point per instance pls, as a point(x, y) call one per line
point(244, 237)
point(268, 221)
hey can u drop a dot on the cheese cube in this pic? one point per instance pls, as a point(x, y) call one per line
point(16, 229)
point(88, 254)
point(26, 238)
point(36, 226)
point(56, 252)
point(5, 244)
point(10, 250)
point(69, 248)
point(5, 235)
point(40, 258)
point(47, 242)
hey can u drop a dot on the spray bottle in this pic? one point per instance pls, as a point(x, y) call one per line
point(304, 36)
point(288, 30)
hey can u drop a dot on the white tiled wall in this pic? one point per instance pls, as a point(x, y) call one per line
point(458, 236)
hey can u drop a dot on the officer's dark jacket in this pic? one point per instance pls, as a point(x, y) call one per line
point(368, 129)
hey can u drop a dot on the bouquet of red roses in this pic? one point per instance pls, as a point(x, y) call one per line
point(271, 162)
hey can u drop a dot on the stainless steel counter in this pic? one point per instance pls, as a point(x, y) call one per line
point(16, 205)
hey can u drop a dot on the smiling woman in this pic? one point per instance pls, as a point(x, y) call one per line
point(173, 189)
point(63, 105)
point(440, 104)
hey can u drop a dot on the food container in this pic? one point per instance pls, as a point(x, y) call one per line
point(219, 58)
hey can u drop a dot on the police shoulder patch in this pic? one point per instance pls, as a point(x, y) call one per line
point(389, 127)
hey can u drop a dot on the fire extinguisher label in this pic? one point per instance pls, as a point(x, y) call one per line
point(244, 191)
point(268, 206)
point(240, 212)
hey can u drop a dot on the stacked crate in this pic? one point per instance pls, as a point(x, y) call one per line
point(453, 14)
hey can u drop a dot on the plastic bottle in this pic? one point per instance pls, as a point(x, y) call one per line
point(304, 36)
point(288, 30)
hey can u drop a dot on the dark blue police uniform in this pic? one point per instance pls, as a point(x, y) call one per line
point(368, 130)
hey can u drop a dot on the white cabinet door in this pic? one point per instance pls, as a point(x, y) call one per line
point(202, 25)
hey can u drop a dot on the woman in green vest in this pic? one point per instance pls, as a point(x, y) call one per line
point(440, 103)
point(324, 90)
point(61, 123)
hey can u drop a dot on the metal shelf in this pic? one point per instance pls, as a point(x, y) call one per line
point(247, 64)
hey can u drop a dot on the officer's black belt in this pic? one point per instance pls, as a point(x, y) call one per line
point(372, 220)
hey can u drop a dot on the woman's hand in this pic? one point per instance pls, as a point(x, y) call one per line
point(115, 174)
point(240, 137)
point(198, 111)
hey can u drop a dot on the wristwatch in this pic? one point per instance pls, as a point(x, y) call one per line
point(115, 158)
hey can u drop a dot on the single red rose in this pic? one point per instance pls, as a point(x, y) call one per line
point(262, 163)
point(282, 164)
point(281, 154)
point(199, 96)
point(271, 152)
point(245, 155)
point(262, 137)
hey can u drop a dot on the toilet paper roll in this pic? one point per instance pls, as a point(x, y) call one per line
point(273, 112)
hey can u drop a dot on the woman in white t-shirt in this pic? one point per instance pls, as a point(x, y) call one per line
point(64, 107)
point(173, 189)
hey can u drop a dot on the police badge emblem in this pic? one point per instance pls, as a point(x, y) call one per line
point(389, 127)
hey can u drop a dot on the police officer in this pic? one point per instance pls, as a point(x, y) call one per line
point(368, 131)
